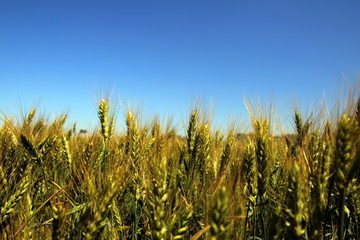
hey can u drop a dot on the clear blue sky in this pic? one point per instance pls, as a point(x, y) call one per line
point(61, 54)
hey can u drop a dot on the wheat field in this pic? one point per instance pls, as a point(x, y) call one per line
point(154, 183)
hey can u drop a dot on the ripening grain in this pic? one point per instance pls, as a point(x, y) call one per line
point(153, 183)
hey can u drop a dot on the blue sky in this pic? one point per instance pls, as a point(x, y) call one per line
point(164, 54)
